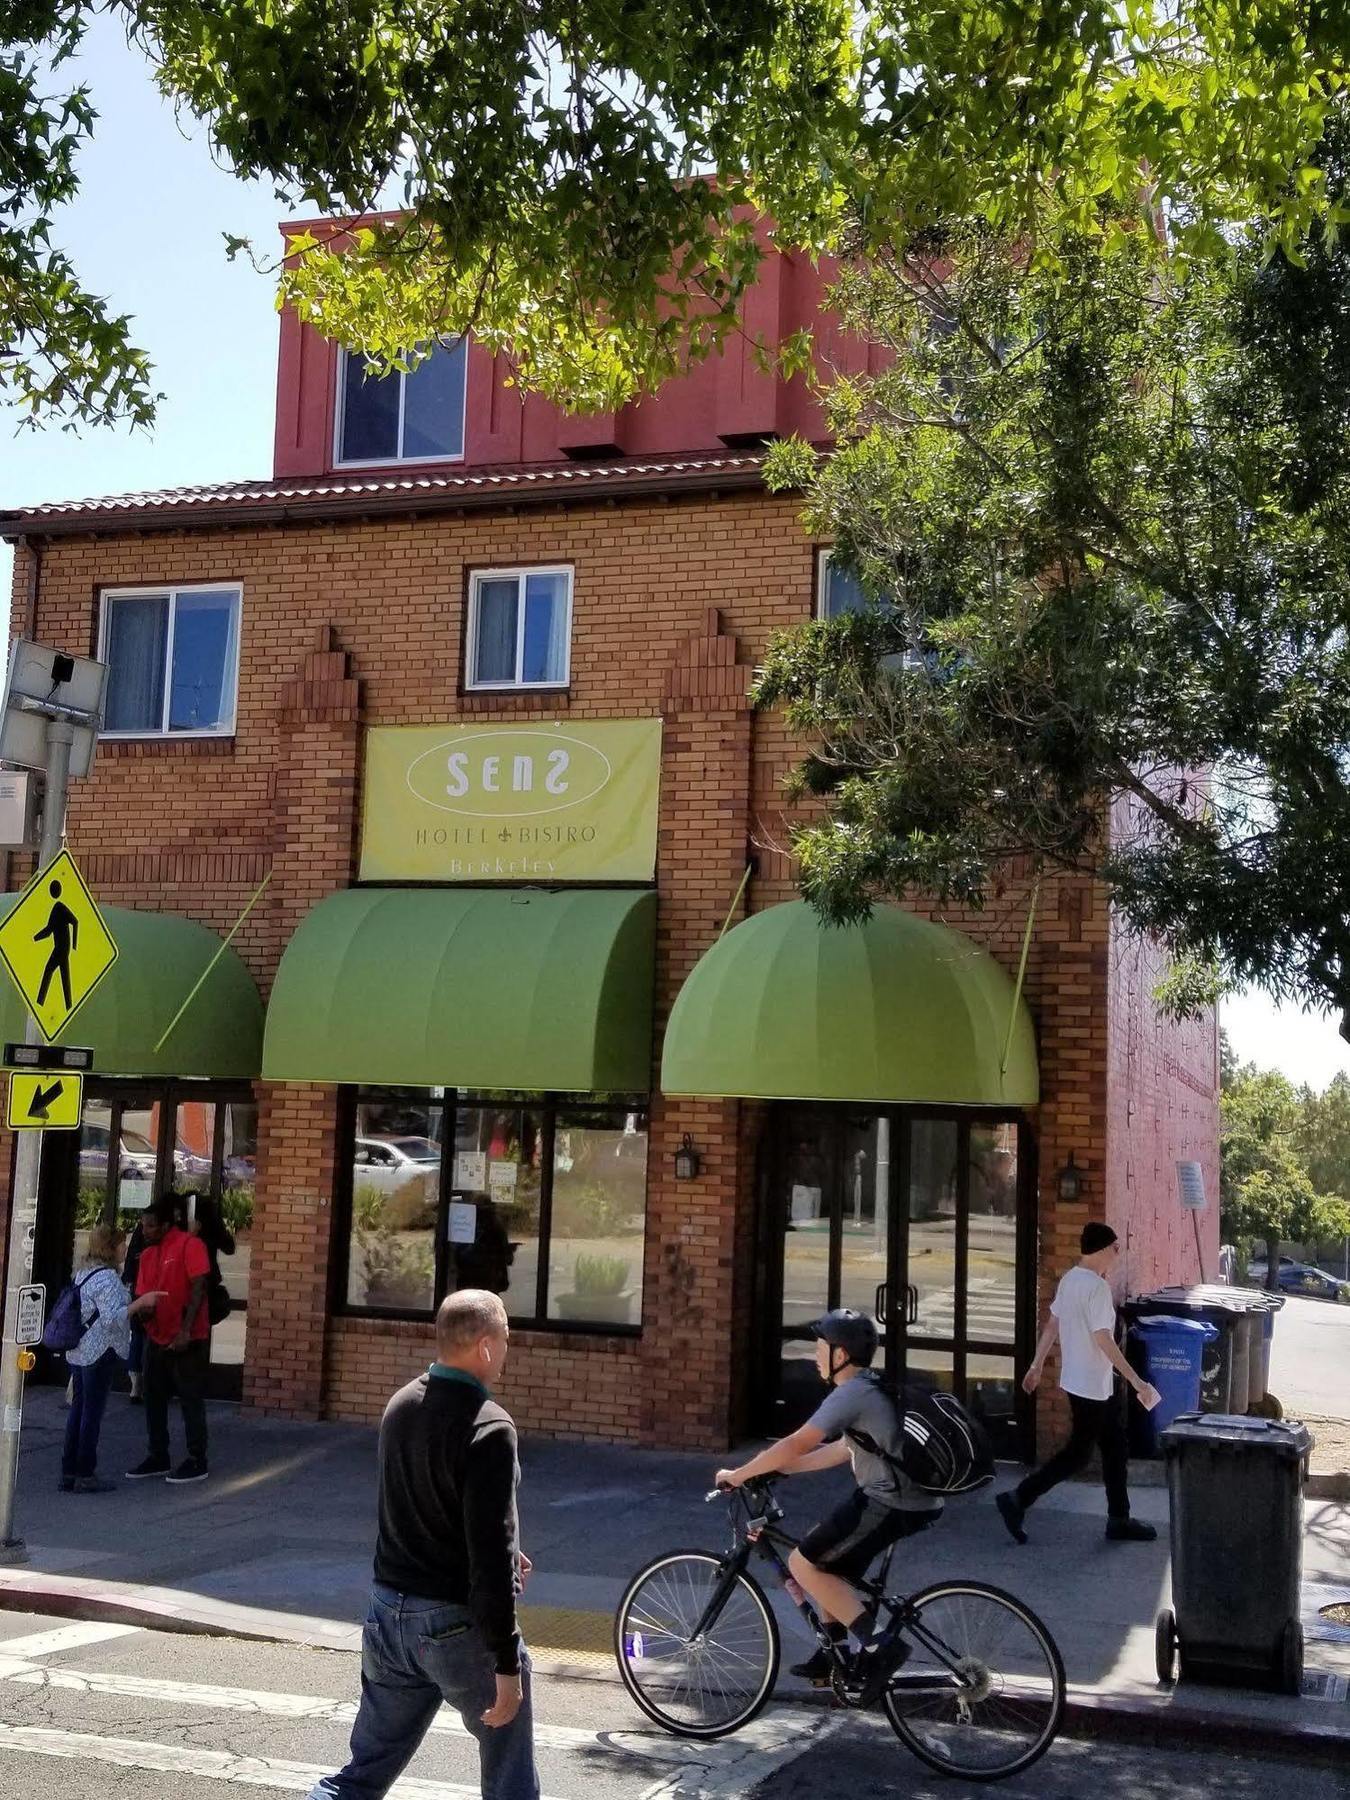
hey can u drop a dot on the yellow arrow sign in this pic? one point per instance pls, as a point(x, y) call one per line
point(45, 1102)
point(55, 945)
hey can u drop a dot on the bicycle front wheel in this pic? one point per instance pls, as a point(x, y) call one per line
point(696, 1644)
point(981, 1694)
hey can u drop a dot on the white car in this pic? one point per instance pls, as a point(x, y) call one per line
point(390, 1163)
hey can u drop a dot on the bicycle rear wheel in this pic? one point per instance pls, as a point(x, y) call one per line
point(982, 1692)
point(699, 1684)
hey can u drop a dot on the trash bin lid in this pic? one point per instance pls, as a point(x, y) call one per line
point(1249, 1298)
point(1288, 1439)
point(1168, 1325)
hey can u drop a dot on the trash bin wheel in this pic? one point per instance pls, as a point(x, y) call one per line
point(1165, 1645)
point(1268, 1407)
point(1290, 1669)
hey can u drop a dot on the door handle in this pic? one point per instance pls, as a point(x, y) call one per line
point(912, 1304)
point(880, 1302)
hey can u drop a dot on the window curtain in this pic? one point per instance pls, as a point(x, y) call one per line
point(137, 644)
point(495, 656)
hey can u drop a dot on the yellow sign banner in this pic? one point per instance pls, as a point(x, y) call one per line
point(54, 943)
point(546, 803)
point(47, 1102)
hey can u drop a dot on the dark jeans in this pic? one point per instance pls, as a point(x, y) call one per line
point(1097, 1425)
point(84, 1421)
point(136, 1360)
point(181, 1372)
point(414, 1654)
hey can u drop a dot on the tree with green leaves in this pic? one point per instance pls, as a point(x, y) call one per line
point(577, 183)
point(1103, 512)
point(1267, 1194)
point(1324, 1138)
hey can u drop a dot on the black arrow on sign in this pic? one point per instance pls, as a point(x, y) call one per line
point(43, 1098)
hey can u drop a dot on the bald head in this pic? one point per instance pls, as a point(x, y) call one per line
point(471, 1333)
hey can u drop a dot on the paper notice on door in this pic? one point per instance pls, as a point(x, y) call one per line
point(805, 1204)
point(463, 1226)
point(471, 1170)
point(502, 1182)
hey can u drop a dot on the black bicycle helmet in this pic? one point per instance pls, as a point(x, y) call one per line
point(852, 1332)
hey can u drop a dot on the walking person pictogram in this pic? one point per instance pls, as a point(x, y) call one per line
point(63, 928)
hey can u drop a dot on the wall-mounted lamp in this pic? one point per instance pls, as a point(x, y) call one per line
point(686, 1160)
point(1070, 1181)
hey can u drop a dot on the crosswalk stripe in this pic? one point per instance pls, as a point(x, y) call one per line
point(65, 1637)
point(782, 1733)
point(207, 1765)
point(749, 1758)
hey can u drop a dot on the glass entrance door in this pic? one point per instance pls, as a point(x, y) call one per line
point(923, 1219)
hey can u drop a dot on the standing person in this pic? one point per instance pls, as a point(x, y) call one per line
point(177, 1352)
point(218, 1239)
point(1083, 1319)
point(106, 1317)
point(442, 1620)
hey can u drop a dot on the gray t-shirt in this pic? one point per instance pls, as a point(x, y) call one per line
point(861, 1403)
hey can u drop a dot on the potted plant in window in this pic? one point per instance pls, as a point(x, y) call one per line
point(600, 1292)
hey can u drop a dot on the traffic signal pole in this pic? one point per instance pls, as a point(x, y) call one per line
point(23, 1200)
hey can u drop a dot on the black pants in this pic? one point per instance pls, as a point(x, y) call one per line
point(1097, 1425)
point(181, 1372)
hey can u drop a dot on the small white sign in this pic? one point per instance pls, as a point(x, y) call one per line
point(135, 1192)
point(1191, 1186)
point(471, 1170)
point(32, 1308)
point(502, 1182)
point(805, 1205)
point(463, 1227)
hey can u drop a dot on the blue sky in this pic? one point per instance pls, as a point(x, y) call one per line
point(147, 233)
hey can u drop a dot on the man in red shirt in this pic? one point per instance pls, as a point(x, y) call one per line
point(175, 1265)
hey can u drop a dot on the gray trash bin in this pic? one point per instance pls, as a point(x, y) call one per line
point(1235, 1487)
point(1220, 1385)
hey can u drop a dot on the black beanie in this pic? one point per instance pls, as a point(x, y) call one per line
point(1096, 1236)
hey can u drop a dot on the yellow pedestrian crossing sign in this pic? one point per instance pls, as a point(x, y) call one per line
point(45, 1102)
point(55, 944)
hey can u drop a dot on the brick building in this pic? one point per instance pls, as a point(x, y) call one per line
point(526, 1000)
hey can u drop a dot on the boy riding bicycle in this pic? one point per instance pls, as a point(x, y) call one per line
point(884, 1507)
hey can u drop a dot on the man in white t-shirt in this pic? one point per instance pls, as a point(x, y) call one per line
point(1083, 1320)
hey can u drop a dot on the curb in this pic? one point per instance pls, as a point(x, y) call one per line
point(1151, 1719)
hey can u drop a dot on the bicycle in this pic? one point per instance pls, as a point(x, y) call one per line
point(698, 1650)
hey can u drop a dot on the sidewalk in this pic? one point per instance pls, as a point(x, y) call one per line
point(277, 1545)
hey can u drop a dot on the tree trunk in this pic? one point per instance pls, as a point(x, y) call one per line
point(1272, 1263)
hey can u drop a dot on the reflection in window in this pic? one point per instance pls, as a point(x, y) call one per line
point(496, 1183)
point(991, 1278)
point(598, 1219)
point(932, 1226)
point(396, 1176)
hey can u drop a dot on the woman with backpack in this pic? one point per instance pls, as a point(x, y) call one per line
point(102, 1315)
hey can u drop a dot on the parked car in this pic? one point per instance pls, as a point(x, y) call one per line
point(1301, 1278)
point(136, 1155)
point(390, 1163)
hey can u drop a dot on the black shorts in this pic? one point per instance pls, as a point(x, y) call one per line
point(849, 1541)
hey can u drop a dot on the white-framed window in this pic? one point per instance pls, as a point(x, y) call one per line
point(173, 660)
point(520, 628)
point(837, 592)
point(418, 417)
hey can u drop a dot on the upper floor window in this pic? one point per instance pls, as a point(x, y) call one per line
point(173, 660)
point(837, 591)
point(418, 417)
point(520, 627)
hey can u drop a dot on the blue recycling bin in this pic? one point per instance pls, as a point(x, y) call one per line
point(1169, 1352)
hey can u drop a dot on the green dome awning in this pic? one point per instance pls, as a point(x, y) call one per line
point(468, 987)
point(160, 958)
point(897, 1010)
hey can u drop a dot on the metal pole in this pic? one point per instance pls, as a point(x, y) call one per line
point(27, 1164)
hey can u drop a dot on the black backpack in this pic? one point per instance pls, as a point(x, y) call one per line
point(942, 1449)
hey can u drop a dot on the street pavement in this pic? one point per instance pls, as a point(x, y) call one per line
point(1310, 1358)
point(137, 1715)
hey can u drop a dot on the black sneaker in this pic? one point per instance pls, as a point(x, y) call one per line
point(149, 1469)
point(66, 1485)
point(1012, 1515)
point(870, 1670)
point(1130, 1531)
point(818, 1668)
point(190, 1469)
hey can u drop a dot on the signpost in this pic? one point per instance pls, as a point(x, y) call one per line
point(50, 718)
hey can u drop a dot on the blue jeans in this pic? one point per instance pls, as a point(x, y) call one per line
point(414, 1654)
point(84, 1421)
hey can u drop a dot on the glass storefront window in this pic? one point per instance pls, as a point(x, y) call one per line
point(540, 1200)
point(135, 1156)
point(496, 1186)
point(933, 1171)
point(238, 1164)
point(991, 1270)
point(396, 1176)
point(599, 1217)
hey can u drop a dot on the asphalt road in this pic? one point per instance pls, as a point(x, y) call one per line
point(1310, 1358)
point(135, 1715)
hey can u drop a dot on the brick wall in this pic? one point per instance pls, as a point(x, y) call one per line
point(360, 623)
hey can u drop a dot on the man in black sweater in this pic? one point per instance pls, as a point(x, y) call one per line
point(442, 1622)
